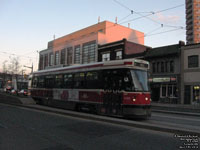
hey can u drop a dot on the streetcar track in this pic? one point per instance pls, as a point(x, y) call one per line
point(173, 117)
point(2, 126)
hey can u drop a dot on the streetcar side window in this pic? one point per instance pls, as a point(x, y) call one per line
point(49, 81)
point(59, 81)
point(40, 83)
point(113, 79)
point(68, 81)
point(92, 80)
point(79, 80)
point(34, 82)
point(128, 84)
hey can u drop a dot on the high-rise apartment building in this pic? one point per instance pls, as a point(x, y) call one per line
point(192, 21)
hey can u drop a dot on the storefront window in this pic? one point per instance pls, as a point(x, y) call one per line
point(196, 93)
point(163, 91)
point(169, 91)
point(170, 94)
point(175, 91)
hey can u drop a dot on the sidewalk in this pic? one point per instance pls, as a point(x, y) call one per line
point(182, 108)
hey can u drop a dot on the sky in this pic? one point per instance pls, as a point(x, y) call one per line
point(26, 26)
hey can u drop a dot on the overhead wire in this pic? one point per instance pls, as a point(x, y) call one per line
point(130, 10)
point(156, 29)
point(155, 34)
point(28, 57)
point(151, 13)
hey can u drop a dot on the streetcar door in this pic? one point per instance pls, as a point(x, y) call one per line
point(112, 98)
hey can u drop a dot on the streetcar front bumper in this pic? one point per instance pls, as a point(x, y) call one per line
point(137, 110)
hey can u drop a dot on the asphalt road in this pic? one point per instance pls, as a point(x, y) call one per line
point(24, 129)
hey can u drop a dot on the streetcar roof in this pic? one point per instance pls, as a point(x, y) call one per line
point(130, 63)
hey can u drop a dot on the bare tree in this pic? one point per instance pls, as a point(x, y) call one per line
point(14, 66)
point(5, 66)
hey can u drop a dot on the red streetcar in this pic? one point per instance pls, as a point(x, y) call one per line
point(115, 88)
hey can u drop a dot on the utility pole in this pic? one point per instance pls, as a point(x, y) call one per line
point(30, 68)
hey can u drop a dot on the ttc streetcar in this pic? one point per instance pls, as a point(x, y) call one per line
point(114, 88)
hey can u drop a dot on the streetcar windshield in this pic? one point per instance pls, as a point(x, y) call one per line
point(140, 80)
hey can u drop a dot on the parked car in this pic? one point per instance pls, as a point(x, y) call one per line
point(23, 92)
point(13, 91)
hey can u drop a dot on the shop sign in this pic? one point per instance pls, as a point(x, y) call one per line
point(167, 79)
point(173, 79)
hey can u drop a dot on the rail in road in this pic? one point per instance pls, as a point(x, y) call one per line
point(25, 128)
point(177, 124)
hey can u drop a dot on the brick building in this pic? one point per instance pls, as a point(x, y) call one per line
point(81, 46)
point(122, 49)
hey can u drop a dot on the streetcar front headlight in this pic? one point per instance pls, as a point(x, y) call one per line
point(146, 98)
point(134, 99)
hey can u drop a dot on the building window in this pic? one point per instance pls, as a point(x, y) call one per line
point(77, 53)
point(171, 66)
point(89, 52)
point(69, 55)
point(56, 58)
point(166, 66)
point(164, 90)
point(41, 62)
point(175, 91)
point(62, 57)
point(119, 55)
point(45, 60)
point(162, 67)
point(154, 67)
point(51, 59)
point(106, 57)
point(169, 90)
point(196, 93)
point(158, 67)
point(193, 61)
